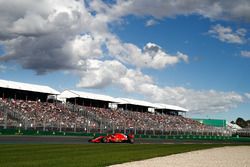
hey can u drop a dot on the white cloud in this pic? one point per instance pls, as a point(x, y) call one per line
point(36, 34)
point(29, 18)
point(227, 10)
point(105, 73)
point(132, 79)
point(151, 56)
point(2, 68)
point(151, 22)
point(84, 47)
point(226, 34)
point(247, 95)
point(245, 53)
point(66, 32)
point(196, 101)
point(99, 74)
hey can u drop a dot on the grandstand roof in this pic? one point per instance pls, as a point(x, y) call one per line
point(27, 87)
point(170, 107)
point(136, 102)
point(149, 104)
point(87, 95)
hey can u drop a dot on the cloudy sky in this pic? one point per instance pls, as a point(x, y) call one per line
point(195, 54)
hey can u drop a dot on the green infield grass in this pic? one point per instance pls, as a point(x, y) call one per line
point(89, 155)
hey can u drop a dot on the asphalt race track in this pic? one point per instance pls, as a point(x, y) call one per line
point(63, 140)
point(43, 140)
point(82, 140)
point(51, 140)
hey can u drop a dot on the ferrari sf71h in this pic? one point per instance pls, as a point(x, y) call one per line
point(114, 138)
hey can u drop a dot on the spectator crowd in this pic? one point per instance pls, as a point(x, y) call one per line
point(36, 114)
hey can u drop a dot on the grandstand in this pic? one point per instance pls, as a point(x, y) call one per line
point(26, 106)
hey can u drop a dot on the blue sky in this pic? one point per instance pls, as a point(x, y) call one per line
point(192, 54)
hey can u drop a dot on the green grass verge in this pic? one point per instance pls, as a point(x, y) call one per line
point(90, 155)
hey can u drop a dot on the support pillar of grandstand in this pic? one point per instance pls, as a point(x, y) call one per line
point(74, 104)
point(124, 131)
point(135, 129)
point(88, 126)
point(34, 124)
point(60, 124)
point(44, 124)
point(5, 118)
point(83, 102)
point(113, 128)
point(25, 123)
point(101, 127)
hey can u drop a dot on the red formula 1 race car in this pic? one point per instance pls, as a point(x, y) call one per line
point(114, 138)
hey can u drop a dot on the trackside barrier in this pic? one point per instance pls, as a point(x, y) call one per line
point(152, 137)
point(196, 138)
point(41, 133)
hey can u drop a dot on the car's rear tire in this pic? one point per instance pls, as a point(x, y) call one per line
point(131, 140)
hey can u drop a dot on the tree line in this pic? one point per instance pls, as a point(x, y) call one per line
point(242, 123)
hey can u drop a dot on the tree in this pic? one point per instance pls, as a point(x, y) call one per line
point(248, 123)
point(241, 122)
